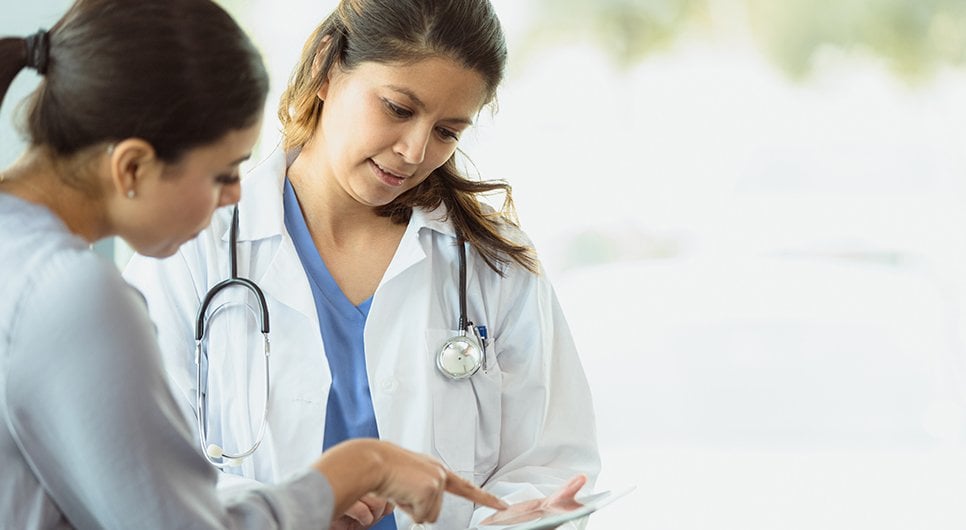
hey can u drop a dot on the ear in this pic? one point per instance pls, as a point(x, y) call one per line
point(133, 162)
point(317, 65)
point(323, 90)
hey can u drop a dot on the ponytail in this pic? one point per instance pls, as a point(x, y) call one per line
point(13, 59)
point(16, 54)
point(175, 73)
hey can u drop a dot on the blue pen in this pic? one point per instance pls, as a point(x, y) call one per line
point(481, 334)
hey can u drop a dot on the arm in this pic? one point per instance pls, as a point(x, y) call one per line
point(172, 289)
point(548, 426)
point(93, 415)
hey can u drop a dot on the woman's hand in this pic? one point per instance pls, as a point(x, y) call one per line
point(365, 513)
point(560, 502)
point(413, 482)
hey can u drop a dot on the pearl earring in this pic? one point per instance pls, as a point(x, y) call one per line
point(130, 194)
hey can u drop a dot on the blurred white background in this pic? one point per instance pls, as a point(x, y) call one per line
point(754, 213)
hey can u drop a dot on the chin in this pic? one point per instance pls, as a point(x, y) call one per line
point(377, 201)
point(166, 253)
point(159, 251)
point(376, 197)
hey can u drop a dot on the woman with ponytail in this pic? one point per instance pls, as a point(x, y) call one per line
point(354, 230)
point(144, 113)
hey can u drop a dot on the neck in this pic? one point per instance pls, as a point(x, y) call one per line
point(38, 178)
point(327, 208)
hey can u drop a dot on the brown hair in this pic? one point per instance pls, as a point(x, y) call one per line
point(401, 31)
point(176, 73)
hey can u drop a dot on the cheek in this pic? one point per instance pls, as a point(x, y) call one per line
point(438, 155)
point(198, 204)
point(416, 182)
point(435, 158)
point(353, 125)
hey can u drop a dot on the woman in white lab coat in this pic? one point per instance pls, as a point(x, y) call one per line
point(365, 194)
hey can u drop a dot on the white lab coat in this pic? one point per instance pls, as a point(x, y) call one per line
point(521, 428)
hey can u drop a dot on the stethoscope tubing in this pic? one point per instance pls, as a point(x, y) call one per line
point(462, 261)
point(213, 453)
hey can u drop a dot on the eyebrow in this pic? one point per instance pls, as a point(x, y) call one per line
point(419, 103)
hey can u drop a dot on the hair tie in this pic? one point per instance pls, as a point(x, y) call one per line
point(38, 51)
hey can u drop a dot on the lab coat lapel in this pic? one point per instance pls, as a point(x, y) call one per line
point(385, 302)
point(409, 253)
point(262, 226)
point(411, 250)
point(285, 280)
point(392, 342)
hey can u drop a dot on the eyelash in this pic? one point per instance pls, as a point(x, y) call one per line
point(227, 179)
point(396, 110)
point(404, 113)
point(447, 134)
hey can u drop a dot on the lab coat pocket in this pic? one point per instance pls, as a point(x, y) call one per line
point(466, 414)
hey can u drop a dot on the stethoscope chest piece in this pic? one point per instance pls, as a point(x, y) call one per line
point(460, 357)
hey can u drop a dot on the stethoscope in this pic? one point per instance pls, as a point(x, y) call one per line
point(215, 453)
point(460, 357)
point(463, 355)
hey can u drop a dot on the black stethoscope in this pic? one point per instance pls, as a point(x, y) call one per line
point(215, 453)
point(462, 356)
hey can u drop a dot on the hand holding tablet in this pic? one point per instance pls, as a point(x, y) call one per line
point(552, 511)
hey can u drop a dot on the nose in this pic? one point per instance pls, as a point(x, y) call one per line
point(230, 194)
point(411, 145)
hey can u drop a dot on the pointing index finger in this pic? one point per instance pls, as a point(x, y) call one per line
point(457, 485)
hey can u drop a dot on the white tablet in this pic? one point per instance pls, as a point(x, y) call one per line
point(589, 505)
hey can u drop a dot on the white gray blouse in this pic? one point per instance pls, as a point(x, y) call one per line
point(90, 434)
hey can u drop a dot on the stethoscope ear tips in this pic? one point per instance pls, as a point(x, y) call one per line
point(215, 451)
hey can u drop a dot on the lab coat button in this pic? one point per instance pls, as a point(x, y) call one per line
point(390, 384)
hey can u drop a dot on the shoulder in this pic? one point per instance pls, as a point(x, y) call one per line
point(76, 315)
point(76, 285)
point(513, 233)
point(439, 221)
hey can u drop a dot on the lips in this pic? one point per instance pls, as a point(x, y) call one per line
point(388, 176)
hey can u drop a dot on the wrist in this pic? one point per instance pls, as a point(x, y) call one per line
point(369, 455)
point(353, 469)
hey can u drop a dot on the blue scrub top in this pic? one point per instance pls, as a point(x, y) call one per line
point(349, 413)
